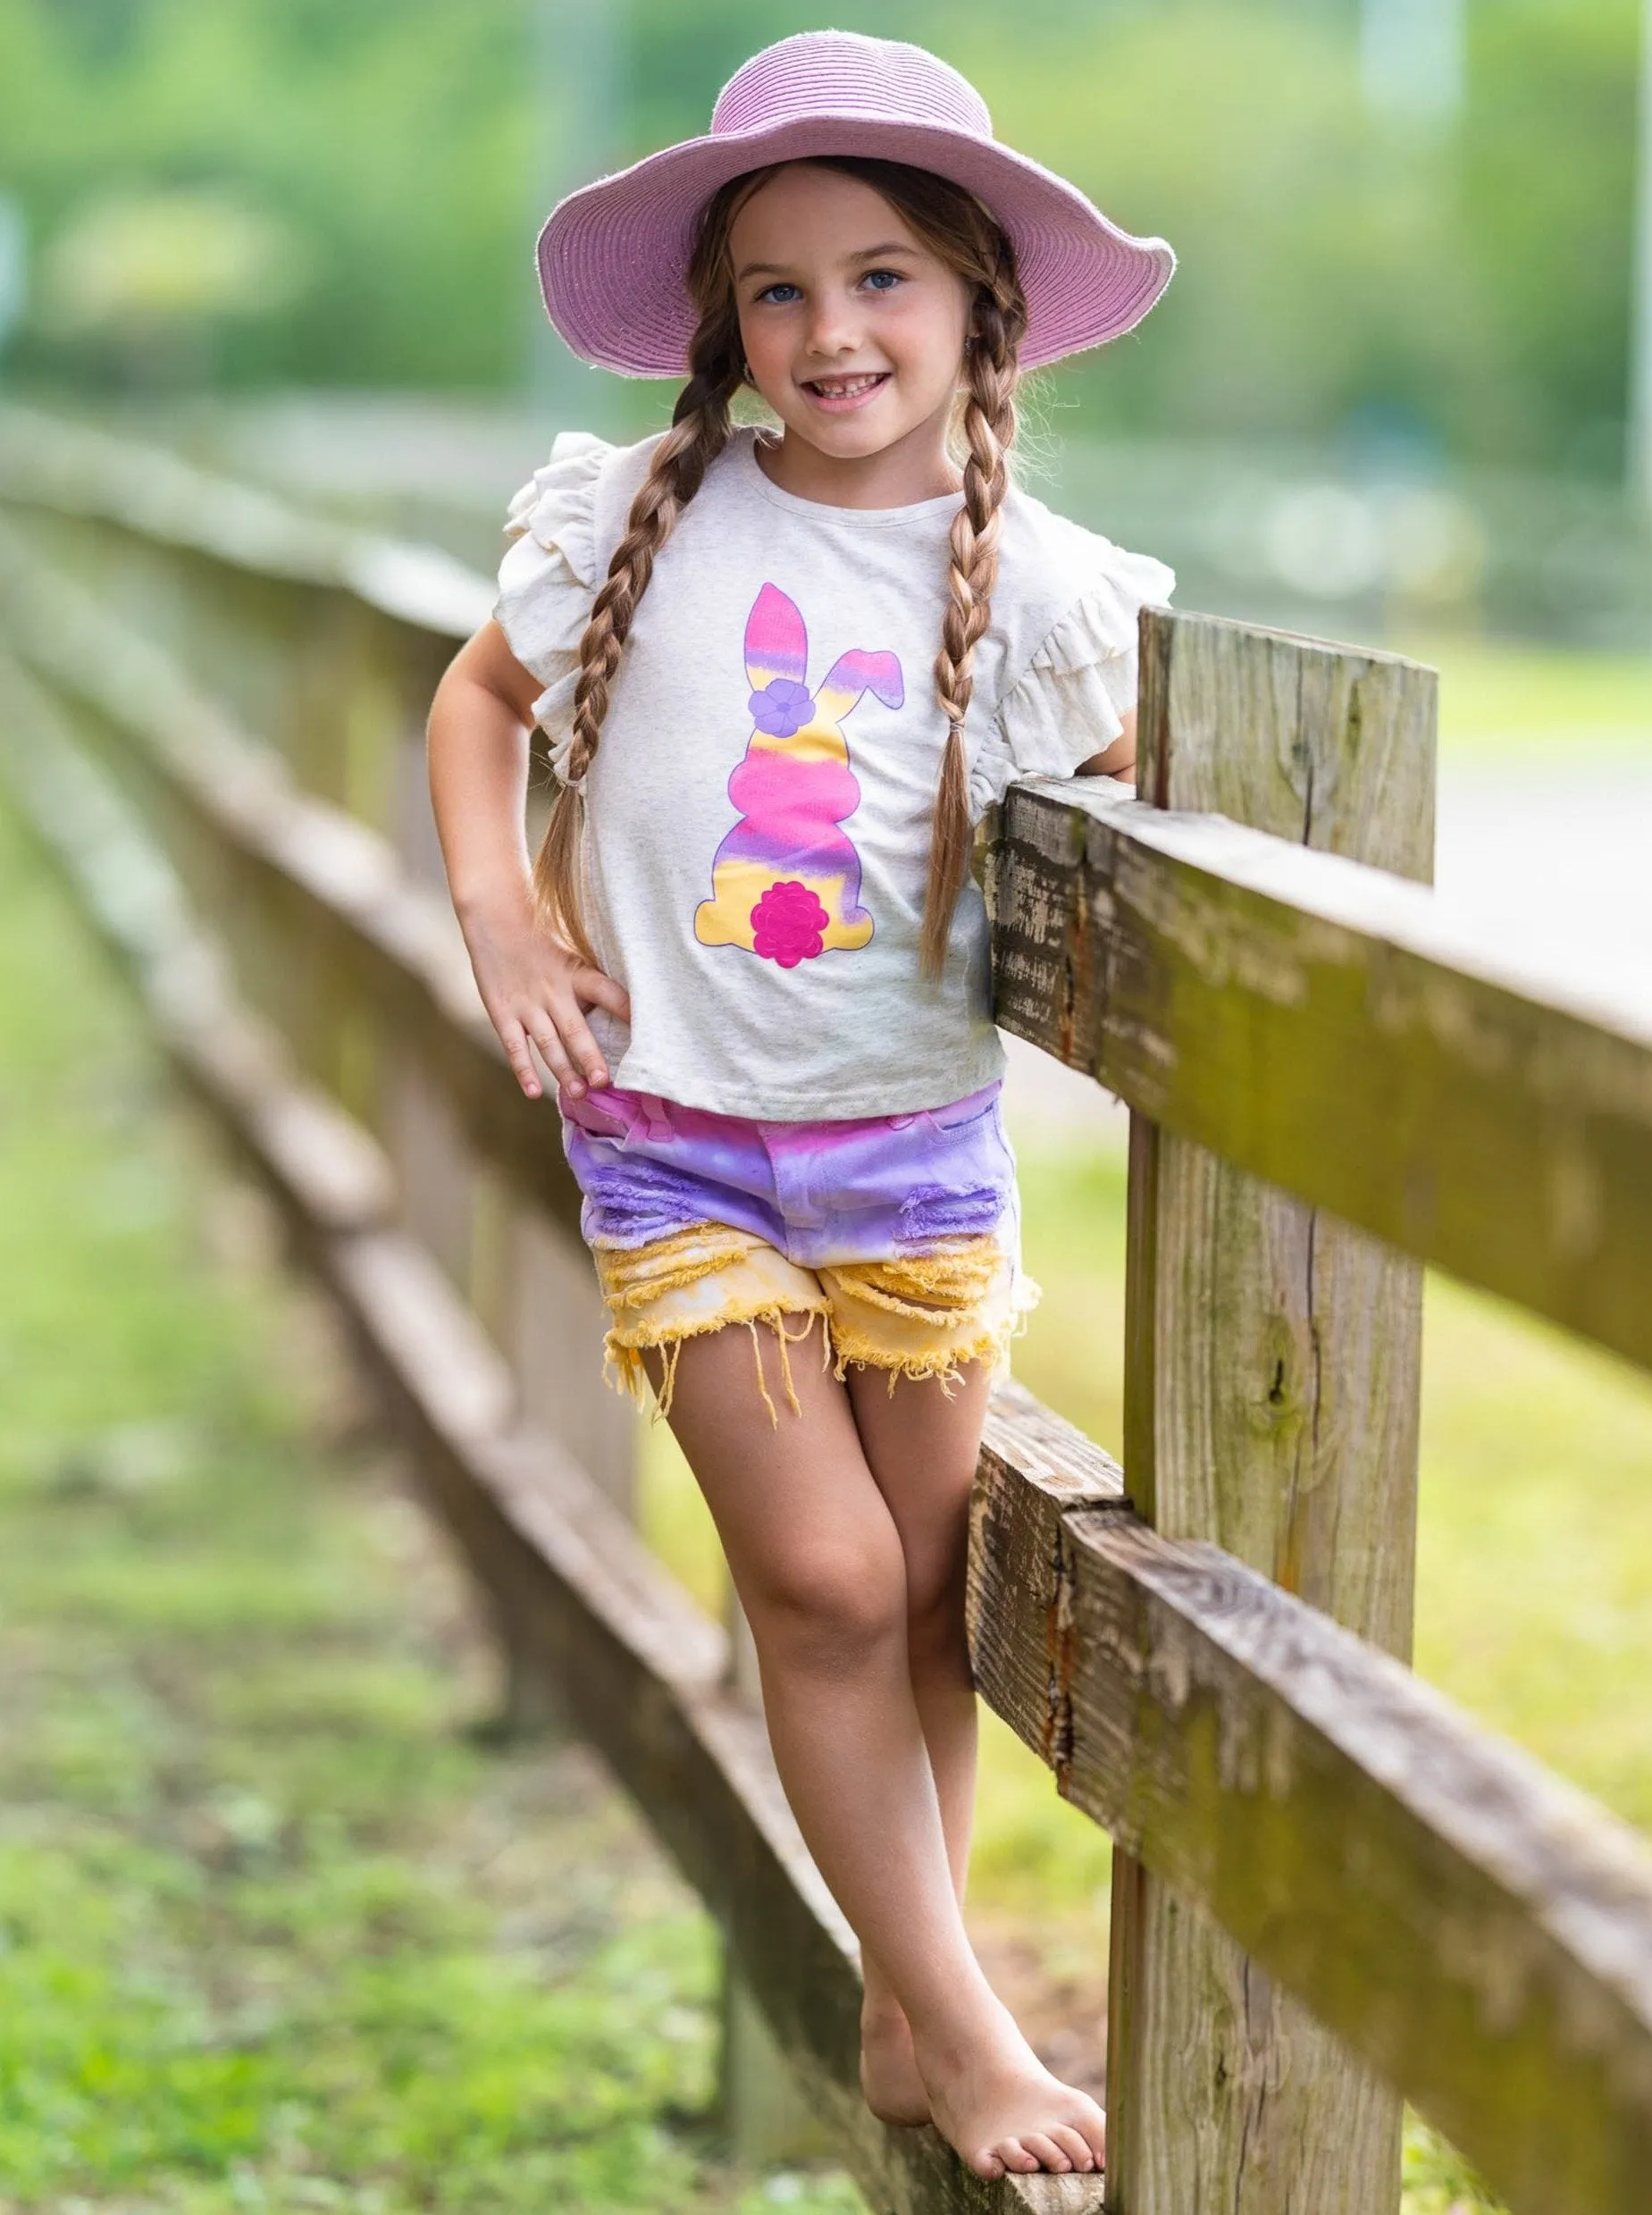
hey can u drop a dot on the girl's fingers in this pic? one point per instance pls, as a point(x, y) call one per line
point(546, 1038)
point(580, 1044)
point(514, 1041)
point(595, 990)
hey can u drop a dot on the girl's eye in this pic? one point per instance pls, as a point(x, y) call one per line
point(882, 280)
point(770, 292)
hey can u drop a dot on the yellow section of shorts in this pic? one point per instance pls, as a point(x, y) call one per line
point(913, 1315)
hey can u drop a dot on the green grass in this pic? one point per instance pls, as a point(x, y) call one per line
point(279, 1929)
point(1539, 705)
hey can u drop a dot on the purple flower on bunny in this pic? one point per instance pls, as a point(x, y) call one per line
point(782, 708)
point(785, 881)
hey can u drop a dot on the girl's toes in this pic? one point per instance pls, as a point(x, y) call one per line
point(1017, 2156)
point(1050, 2155)
point(1074, 2144)
point(987, 2165)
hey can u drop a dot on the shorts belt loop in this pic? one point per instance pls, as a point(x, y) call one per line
point(657, 1121)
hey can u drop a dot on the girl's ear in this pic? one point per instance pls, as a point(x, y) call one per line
point(776, 642)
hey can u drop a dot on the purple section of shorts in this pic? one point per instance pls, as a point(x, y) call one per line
point(860, 1190)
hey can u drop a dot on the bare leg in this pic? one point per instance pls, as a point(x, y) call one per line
point(921, 1445)
point(816, 1559)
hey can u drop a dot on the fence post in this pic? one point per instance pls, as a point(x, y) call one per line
point(1272, 1372)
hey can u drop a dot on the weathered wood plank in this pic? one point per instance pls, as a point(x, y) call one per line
point(316, 875)
point(1344, 1036)
point(1271, 1397)
point(1272, 1388)
point(1024, 1442)
point(634, 1665)
point(76, 470)
point(1479, 1932)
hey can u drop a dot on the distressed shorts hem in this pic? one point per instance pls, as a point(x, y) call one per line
point(917, 1315)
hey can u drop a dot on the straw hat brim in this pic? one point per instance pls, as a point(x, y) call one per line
point(613, 257)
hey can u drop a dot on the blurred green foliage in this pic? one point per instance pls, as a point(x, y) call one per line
point(1343, 273)
point(390, 141)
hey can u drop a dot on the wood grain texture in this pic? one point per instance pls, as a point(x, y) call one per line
point(1475, 1930)
point(633, 1664)
point(1024, 1444)
point(1335, 1032)
point(1271, 1397)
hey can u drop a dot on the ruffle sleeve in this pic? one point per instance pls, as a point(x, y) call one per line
point(547, 578)
point(1070, 701)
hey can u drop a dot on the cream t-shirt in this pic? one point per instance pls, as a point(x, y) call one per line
point(756, 836)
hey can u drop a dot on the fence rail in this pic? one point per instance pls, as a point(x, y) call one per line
point(1328, 1028)
point(210, 711)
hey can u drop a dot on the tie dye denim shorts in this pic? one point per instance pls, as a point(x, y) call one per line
point(901, 1232)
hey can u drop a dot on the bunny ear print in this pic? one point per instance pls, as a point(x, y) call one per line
point(856, 672)
point(777, 641)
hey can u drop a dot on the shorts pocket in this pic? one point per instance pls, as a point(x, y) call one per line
point(606, 1112)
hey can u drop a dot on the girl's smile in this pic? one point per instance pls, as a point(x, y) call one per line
point(840, 394)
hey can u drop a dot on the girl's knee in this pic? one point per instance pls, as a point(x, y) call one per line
point(826, 1605)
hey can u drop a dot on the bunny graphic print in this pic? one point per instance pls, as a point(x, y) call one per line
point(786, 879)
point(757, 821)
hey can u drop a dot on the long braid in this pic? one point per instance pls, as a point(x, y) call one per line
point(989, 424)
point(700, 430)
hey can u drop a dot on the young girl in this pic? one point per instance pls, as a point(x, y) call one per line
point(783, 672)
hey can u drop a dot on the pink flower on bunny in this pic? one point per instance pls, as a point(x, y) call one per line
point(787, 924)
point(785, 881)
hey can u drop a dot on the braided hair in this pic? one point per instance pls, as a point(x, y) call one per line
point(700, 430)
point(989, 428)
point(960, 232)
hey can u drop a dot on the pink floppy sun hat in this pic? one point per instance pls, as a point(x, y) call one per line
point(613, 257)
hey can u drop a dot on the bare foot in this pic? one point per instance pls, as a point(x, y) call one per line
point(889, 2077)
point(995, 2102)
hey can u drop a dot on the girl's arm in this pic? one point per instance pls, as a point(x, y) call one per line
point(1119, 760)
point(533, 986)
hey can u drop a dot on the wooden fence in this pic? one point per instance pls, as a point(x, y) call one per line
point(1331, 1890)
